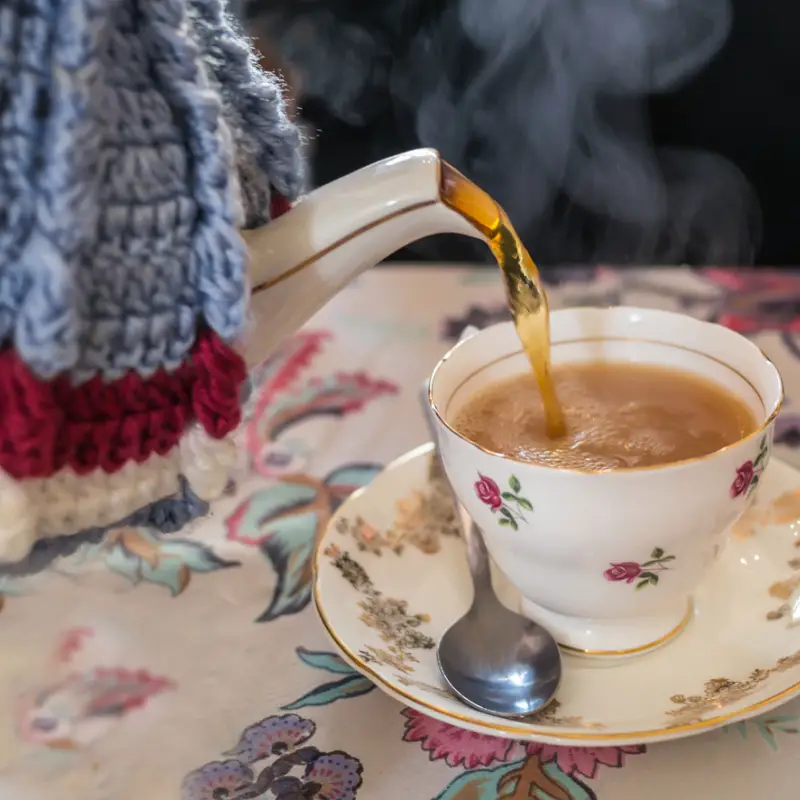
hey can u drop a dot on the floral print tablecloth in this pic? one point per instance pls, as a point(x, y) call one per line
point(215, 679)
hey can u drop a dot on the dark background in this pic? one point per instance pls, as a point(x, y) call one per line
point(743, 106)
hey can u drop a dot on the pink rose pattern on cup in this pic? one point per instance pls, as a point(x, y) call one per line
point(509, 505)
point(644, 574)
point(749, 474)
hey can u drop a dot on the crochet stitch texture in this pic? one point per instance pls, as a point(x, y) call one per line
point(136, 138)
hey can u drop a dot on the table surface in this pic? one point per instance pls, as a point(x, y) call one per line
point(182, 667)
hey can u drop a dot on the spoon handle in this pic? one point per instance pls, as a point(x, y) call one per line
point(477, 555)
point(478, 559)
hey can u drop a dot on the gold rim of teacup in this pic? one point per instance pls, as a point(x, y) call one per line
point(650, 468)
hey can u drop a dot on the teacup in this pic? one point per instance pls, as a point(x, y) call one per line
point(608, 561)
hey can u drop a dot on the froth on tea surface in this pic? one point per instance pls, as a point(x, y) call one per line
point(618, 416)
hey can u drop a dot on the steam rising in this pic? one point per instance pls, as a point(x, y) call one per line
point(543, 104)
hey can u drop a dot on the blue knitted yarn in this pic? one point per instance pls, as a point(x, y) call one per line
point(267, 145)
point(118, 185)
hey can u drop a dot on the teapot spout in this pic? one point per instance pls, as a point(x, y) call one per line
point(302, 259)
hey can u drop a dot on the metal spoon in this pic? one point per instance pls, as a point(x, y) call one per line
point(493, 659)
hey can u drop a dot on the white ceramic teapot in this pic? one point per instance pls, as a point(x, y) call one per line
point(302, 259)
point(153, 448)
point(144, 144)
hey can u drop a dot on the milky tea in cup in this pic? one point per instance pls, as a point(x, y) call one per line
point(619, 415)
point(607, 531)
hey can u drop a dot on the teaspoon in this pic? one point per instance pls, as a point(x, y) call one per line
point(492, 658)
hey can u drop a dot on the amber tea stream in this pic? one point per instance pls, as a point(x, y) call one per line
point(524, 290)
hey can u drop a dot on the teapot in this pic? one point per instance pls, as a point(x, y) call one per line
point(157, 449)
point(304, 257)
point(144, 155)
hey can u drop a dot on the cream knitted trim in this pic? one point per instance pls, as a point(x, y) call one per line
point(67, 503)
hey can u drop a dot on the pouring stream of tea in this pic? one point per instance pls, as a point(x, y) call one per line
point(526, 296)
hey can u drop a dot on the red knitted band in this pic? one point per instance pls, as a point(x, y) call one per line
point(48, 425)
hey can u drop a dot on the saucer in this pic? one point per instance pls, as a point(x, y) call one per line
point(391, 576)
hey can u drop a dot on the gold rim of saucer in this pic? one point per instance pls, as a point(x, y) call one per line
point(758, 431)
point(505, 729)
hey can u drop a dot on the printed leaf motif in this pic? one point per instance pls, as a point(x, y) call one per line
point(515, 485)
point(251, 523)
point(10, 586)
point(352, 685)
point(343, 481)
point(767, 727)
point(195, 556)
point(507, 518)
point(141, 555)
point(284, 364)
point(117, 691)
point(276, 375)
point(517, 780)
point(657, 553)
point(175, 578)
point(647, 579)
point(285, 520)
point(75, 711)
point(284, 401)
point(479, 784)
point(289, 548)
point(330, 662)
point(327, 693)
point(333, 395)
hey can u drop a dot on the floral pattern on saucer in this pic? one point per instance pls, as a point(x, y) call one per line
point(719, 693)
point(405, 598)
point(398, 629)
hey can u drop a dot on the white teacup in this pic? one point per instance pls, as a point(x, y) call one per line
point(608, 561)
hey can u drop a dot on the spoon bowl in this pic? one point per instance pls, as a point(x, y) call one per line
point(492, 658)
point(498, 661)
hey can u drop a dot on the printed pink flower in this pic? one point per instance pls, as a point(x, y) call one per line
point(584, 760)
point(757, 299)
point(488, 492)
point(744, 476)
point(456, 746)
point(464, 748)
point(627, 571)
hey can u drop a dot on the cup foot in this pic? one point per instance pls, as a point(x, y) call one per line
point(610, 638)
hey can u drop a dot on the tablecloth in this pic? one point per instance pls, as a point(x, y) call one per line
point(215, 672)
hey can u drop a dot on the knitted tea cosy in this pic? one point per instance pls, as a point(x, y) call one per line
point(137, 137)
